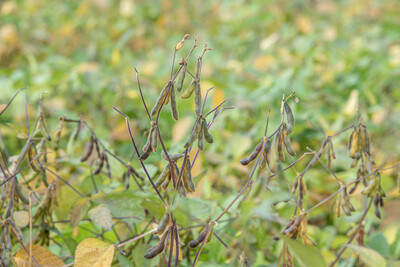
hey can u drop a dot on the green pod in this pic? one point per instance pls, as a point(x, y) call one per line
point(182, 191)
point(280, 146)
point(148, 142)
point(191, 187)
point(289, 117)
point(194, 135)
point(365, 143)
point(173, 157)
point(189, 91)
point(36, 166)
point(154, 138)
point(174, 108)
point(166, 182)
point(197, 99)
point(160, 100)
point(181, 78)
point(354, 144)
point(200, 139)
point(207, 136)
point(198, 67)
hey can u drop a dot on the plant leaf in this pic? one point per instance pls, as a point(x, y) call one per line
point(305, 255)
point(78, 211)
point(43, 257)
point(369, 256)
point(94, 252)
point(101, 216)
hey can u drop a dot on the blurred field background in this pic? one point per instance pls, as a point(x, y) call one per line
point(336, 55)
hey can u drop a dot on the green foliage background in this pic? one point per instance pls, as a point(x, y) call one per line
point(335, 54)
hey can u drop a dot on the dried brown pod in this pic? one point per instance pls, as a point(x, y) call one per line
point(149, 139)
point(173, 157)
point(207, 136)
point(160, 99)
point(286, 141)
point(189, 91)
point(354, 145)
point(181, 78)
point(197, 99)
point(194, 134)
point(146, 154)
point(365, 143)
point(77, 130)
point(164, 223)
point(253, 154)
point(289, 117)
point(101, 163)
point(157, 249)
point(360, 173)
point(205, 233)
point(168, 96)
point(182, 191)
point(181, 42)
point(191, 187)
point(107, 165)
point(346, 204)
point(174, 108)
point(280, 145)
point(163, 175)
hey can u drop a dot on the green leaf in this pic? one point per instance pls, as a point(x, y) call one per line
point(368, 256)
point(303, 253)
point(78, 211)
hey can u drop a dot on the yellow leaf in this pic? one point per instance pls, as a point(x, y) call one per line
point(92, 252)
point(43, 257)
point(21, 218)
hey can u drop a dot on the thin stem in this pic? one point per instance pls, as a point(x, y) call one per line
point(65, 182)
point(9, 102)
point(141, 93)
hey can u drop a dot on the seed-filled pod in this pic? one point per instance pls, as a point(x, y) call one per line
point(146, 154)
point(354, 145)
point(154, 138)
point(174, 108)
point(182, 191)
point(365, 143)
point(347, 202)
point(22, 192)
point(157, 249)
point(149, 140)
point(191, 187)
point(272, 155)
point(203, 234)
point(377, 212)
point(371, 188)
point(166, 182)
point(189, 91)
point(280, 145)
point(181, 78)
point(194, 135)
point(101, 163)
point(198, 67)
point(163, 175)
point(173, 157)
point(354, 163)
point(289, 117)
point(207, 136)
point(77, 130)
point(160, 99)
point(107, 165)
point(168, 96)
point(197, 99)
point(36, 166)
point(253, 154)
point(200, 139)
point(292, 230)
point(286, 141)
point(165, 220)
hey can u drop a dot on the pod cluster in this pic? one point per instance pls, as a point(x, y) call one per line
point(343, 203)
point(298, 226)
point(100, 155)
point(151, 143)
point(199, 132)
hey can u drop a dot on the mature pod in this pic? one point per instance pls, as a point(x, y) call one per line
point(154, 138)
point(286, 140)
point(157, 249)
point(197, 99)
point(189, 91)
point(16, 230)
point(347, 202)
point(146, 154)
point(56, 140)
point(182, 191)
point(371, 188)
point(191, 188)
point(194, 243)
point(36, 166)
point(77, 130)
point(149, 139)
point(126, 176)
point(165, 220)
point(160, 99)
point(181, 78)
point(354, 145)
point(22, 192)
point(253, 154)
point(289, 117)
point(198, 67)
point(173, 157)
point(7, 237)
point(101, 163)
point(272, 155)
point(107, 166)
point(174, 108)
point(194, 135)
point(161, 178)
point(166, 182)
point(365, 143)
point(200, 139)
point(207, 136)
point(280, 145)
